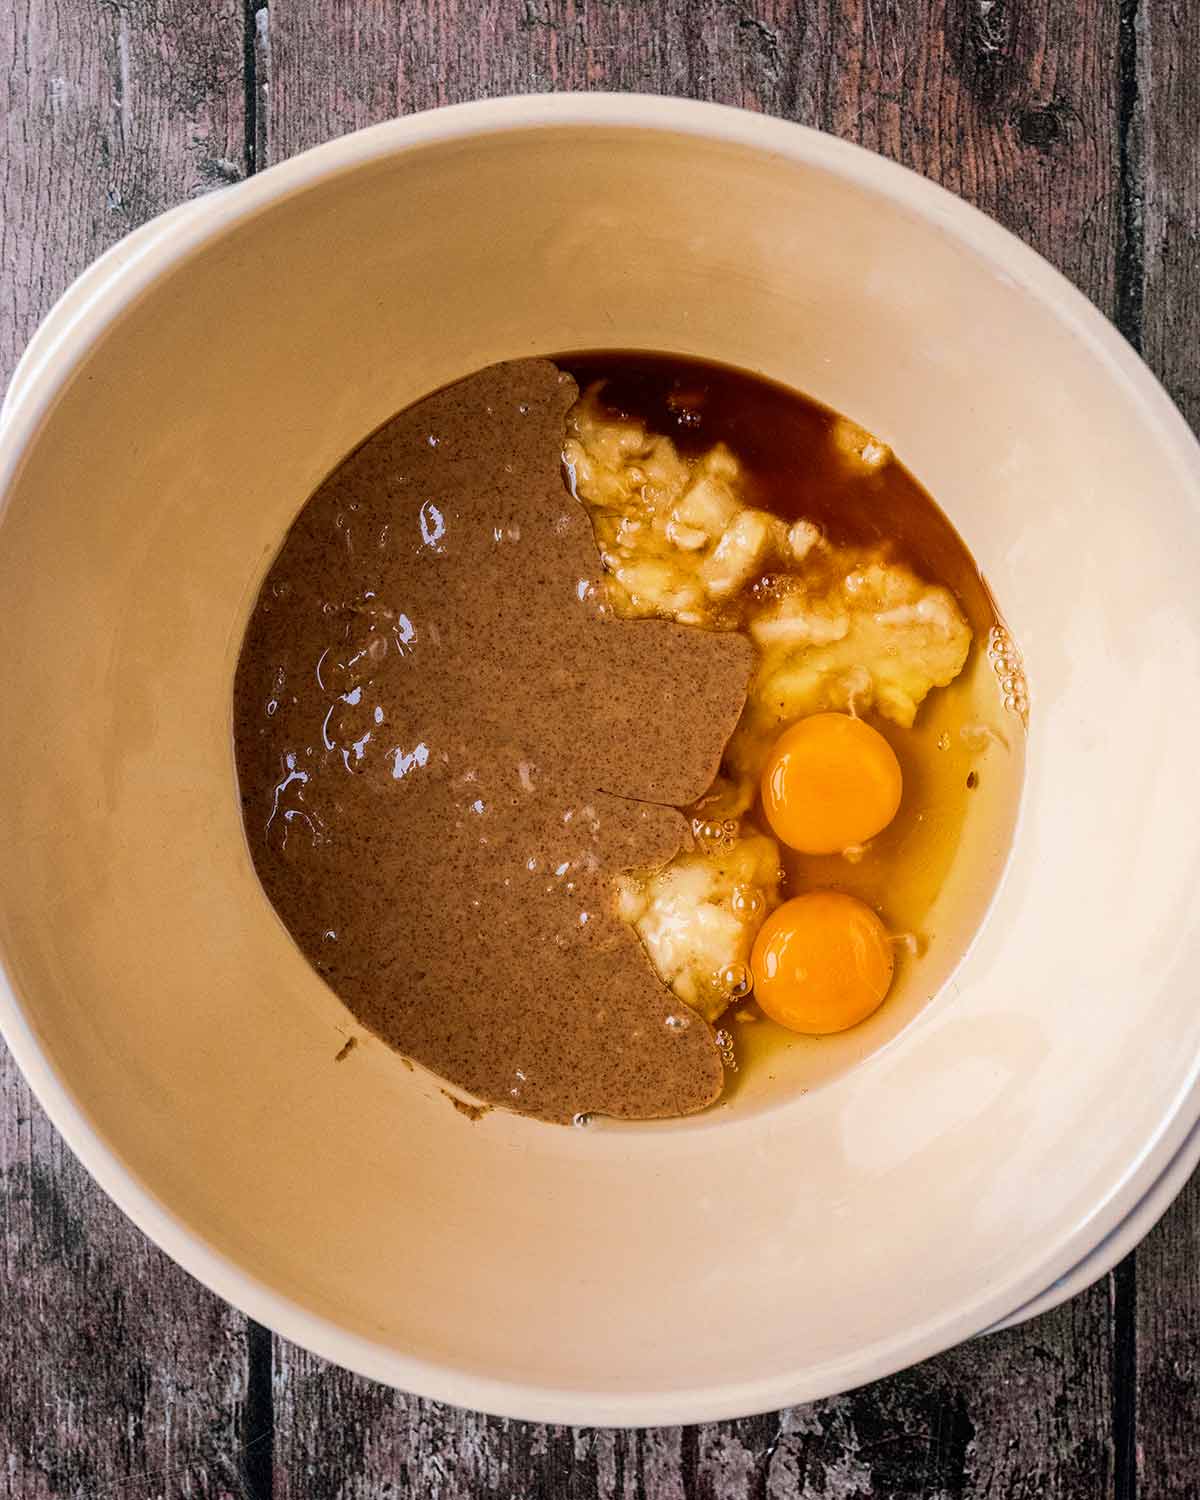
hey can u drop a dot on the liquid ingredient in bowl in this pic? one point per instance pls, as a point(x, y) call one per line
point(529, 793)
point(839, 629)
point(737, 504)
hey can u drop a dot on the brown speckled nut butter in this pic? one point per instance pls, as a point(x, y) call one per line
point(446, 750)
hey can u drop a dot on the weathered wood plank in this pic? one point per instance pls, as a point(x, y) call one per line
point(1002, 1418)
point(339, 65)
point(110, 111)
point(1014, 107)
point(1017, 108)
point(1020, 1416)
point(1166, 133)
point(1163, 206)
point(118, 1374)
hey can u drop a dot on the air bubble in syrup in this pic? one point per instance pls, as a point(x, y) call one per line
point(1006, 663)
point(746, 901)
point(736, 980)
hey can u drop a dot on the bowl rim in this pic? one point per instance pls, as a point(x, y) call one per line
point(793, 144)
point(1116, 1245)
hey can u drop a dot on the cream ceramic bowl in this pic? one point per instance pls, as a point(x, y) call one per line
point(176, 413)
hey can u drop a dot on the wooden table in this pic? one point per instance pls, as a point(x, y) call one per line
point(1076, 123)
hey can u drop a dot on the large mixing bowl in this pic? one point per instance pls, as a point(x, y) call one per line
point(184, 404)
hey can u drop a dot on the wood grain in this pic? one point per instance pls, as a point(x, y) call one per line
point(1012, 106)
point(1163, 206)
point(1017, 108)
point(1165, 189)
point(110, 112)
point(118, 1373)
point(1022, 1415)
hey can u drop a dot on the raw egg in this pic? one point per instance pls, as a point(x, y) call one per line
point(821, 963)
point(830, 782)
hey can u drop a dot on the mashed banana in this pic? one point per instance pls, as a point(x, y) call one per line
point(837, 628)
point(698, 917)
point(675, 538)
point(852, 633)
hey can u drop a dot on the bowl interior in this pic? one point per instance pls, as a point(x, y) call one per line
point(652, 1274)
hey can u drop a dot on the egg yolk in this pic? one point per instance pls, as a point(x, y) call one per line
point(821, 963)
point(830, 782)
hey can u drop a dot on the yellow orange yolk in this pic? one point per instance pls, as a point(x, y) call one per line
point(821, 963)
point(830, 782)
